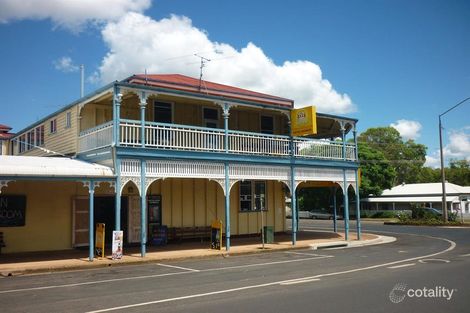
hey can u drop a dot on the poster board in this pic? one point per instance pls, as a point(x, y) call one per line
point(304, 121)
point(216, 235)
point(99, 240)
point(118, 239)
point(12, 211)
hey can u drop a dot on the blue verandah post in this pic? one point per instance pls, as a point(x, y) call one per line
point(91, 220)
point(335, 216)
point(227, 208)
point(293, 206)
point(346, 206)
point(358, 208)
point(143, 103)
point(143, 206)
point(117, 225)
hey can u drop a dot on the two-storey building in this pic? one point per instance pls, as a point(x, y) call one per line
point(170, 150)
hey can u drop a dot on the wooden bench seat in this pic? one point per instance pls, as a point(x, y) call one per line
point(180, 233)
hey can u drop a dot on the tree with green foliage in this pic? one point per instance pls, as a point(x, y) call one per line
point(406, 157)
point(377, 173)
point(429, 175)
point(458, 172)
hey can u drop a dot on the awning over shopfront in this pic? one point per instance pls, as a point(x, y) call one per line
point(50, 167)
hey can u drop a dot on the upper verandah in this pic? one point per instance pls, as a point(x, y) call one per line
point(189, 99)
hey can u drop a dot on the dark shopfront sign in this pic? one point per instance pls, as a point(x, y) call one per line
point(12, 211)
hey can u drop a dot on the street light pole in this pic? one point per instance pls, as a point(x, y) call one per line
point(443, 174)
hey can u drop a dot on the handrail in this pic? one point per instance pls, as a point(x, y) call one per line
point(196, 138)
point(98, 127)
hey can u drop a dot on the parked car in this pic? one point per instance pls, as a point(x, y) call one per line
point(305, 214)
point(433, 211)
point(321, 215)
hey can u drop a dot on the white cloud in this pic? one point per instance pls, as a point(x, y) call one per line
point(137, 42)
point(70, 14)
point(66, 65)
point(407, 129)
point(457, 148)
point(459, 144)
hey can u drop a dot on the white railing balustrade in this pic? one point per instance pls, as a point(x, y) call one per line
point(178, 137)
point(192, 138)
point(129, 133)
point(322, 149)
point(258, 144)
point(97, 137)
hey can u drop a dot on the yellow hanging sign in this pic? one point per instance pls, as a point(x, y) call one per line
point(304, 121)
point(99, 240)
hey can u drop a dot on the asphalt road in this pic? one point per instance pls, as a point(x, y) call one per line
point(425, 270)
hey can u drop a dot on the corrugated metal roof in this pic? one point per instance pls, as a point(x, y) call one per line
point(423, 189)
point(190, 84)
point(411, 199)
point(47, 167)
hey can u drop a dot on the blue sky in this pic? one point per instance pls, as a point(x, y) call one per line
point(378, 61)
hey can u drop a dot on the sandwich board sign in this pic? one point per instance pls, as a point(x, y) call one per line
point(99, 240)
point(216, 235)
point(118, 237)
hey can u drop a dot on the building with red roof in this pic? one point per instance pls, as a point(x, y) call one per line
point(5, 137)
point(163, 156)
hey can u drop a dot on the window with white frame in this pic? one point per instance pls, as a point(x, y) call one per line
point(253, 196)
point(53, 126)
point(40, 135)
point(22, 143)
point(68, 120)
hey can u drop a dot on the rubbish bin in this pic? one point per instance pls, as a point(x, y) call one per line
point(268, 234)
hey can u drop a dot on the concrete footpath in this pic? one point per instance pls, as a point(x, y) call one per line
point(43, 262)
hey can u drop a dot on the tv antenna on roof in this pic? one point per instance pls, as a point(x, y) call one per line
point(203, 64)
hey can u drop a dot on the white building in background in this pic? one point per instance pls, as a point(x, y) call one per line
point(402, 197)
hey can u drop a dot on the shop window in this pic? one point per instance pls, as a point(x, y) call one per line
point(252, 196)
point(267, 124)
point(163, 112)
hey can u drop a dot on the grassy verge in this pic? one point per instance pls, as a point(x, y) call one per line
point(427, 223)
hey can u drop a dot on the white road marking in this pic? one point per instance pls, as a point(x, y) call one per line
point(402, 265)
point(187, 271)
point(468, 254)
point(451, 247)
point(305, 253)
point(267, 263)
point(92, 282)
point(298, 281)
point(424, 261)
point(178, 267)
point(185, 297)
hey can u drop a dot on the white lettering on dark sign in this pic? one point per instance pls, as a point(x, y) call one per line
point(12, 211)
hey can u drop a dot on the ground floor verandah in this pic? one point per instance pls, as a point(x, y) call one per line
point(20, 263)
point(61, 213)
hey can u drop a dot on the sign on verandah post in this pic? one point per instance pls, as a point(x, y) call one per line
point(304, 121)
point(118, 236)
point(99, 240)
